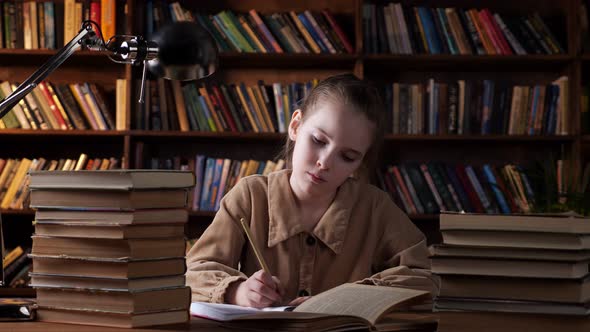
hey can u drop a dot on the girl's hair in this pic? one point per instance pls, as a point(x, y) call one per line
point(354, 94)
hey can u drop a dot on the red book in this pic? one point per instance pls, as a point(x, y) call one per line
point(499, 34)
point(473, 198)
point(402, 184)
point(56, 113)
point(347, 44)
point(485, 25)
point(224, 108)
point(95, 15)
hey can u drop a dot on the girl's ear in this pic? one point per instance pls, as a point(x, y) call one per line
point(294, 124)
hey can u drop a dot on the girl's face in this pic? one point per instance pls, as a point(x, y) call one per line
point(330, 145)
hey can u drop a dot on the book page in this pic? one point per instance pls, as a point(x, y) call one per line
point(367, 301)
point(225, 312)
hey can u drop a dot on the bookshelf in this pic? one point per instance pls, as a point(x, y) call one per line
point(17, 64)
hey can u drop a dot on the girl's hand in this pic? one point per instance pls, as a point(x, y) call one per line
point(259, 291)
point(297, 301)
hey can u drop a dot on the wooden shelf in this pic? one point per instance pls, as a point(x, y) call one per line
point(485, 138)
point(59, 133)
point(147, 134)
point(17, 292)
point(287, 60)
point(10, 212)
point(467, 62)
point(37, 57)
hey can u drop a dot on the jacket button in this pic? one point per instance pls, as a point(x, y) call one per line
point(310, 240)
point(303, 292)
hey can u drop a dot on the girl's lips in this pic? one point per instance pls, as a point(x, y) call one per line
point(315, 178)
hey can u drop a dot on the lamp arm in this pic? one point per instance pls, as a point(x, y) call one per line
point(47, 68)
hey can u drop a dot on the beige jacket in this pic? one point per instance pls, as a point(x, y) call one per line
point(363, 237)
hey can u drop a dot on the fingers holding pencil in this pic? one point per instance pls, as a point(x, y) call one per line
point(262, 288)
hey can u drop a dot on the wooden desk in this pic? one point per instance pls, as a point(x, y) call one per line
point(448, 322)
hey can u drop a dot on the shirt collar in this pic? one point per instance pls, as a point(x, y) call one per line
point(284, 214)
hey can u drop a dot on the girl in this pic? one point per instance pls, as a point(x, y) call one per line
point(316, 225)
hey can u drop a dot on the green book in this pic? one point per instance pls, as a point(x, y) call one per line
point(233, 29)
point(10, 120)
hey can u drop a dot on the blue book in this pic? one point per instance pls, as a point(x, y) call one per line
point(49, 25)
point(313, 33)
point(429, 30)
point(209, 124)
point(215, 184)
point(446, 30)
point(487, 205)
point(190, 107)
point(199, 177)
point(534, 107)
point(207, 181)
point(496, 189)
point(261, 166)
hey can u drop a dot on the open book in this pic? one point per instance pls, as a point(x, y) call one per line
point(348, 306)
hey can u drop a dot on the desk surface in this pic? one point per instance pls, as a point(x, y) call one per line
point(448, 322)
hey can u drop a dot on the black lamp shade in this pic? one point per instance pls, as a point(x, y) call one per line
point(186, 51)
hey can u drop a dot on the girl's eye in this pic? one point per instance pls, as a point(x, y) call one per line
point(317, 141)
point(347, 158)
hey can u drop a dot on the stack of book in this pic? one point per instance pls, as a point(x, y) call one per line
point(518, 263)
point(109, 246)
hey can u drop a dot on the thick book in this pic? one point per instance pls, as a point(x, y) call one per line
point(517, 239)
point(510, 288)
point(536, 307)
point(112, 179)
point(509, 267)
point(515, 222)
point(118, 200)
point(348, 306)
point(109, 248)
point(447, 250)
point(124, 267)
point(46, 280)
point(106, 318)
point(135, 217)
point(107, 230)
point(120, 301)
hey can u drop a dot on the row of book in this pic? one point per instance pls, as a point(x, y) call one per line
point(219, 107)
point(215, 176)
point(14, 191)
point(431, 187)
point(109, 247)
point(17, 266)
point(400, 29)
point(519, 263)
point(292, 32)
point(478, 107)
point(52, 24)
point(62, 107)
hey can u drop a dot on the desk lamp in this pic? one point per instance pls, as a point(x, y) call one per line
point(179, 51)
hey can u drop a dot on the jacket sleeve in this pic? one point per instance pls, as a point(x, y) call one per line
point(402, 254)
point(212, 263)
